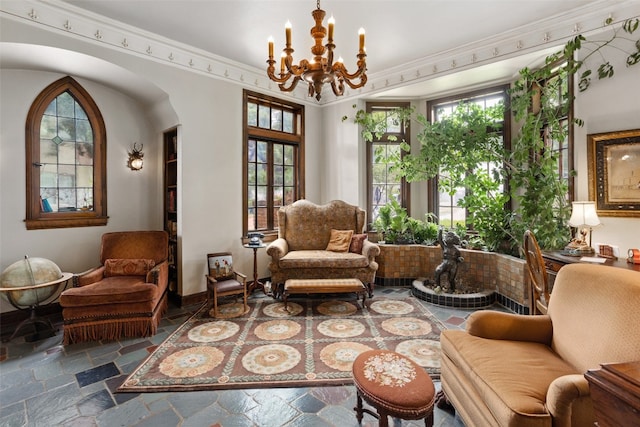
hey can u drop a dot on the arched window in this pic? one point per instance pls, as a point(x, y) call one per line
point(66, 170)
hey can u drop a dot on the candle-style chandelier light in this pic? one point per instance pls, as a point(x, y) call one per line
point(321, 69)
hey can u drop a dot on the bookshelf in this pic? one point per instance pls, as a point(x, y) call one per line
point(170, 142)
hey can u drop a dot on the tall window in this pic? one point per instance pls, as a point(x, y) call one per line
point(383, 183)
point(65, 159)
point(273, 159)
point(558, 92)
point(446, 203)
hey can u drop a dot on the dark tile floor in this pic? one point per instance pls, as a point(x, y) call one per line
point(46, 384)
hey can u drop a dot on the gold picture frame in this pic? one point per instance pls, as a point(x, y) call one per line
point(613, 160)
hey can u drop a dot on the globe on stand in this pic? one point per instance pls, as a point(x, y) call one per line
point(28, 284)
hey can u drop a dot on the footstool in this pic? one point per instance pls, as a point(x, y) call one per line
point(323, 286)
point(394, 385)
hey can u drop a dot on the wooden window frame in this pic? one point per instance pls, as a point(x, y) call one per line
point(35, 217)
point(276, 137)
point(433, 201)
point(405, 193)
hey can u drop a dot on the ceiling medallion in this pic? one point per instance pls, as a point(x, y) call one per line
point(320, 69)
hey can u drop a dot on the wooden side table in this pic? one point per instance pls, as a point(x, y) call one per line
point(615, 390)
point(256, 283)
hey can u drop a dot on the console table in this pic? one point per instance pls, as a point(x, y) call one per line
point(555, 260)
point(615, 390)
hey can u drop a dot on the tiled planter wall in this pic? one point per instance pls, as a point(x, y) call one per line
point(399, 265)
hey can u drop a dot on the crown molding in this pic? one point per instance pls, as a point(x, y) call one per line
point(64, 18)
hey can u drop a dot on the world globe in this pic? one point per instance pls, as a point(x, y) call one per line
point(41, 275)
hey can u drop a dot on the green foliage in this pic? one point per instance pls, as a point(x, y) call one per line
point(459, 144)
point(399, 228)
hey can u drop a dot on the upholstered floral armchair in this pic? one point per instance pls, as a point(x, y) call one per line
point(125, 296)
point(322, 242)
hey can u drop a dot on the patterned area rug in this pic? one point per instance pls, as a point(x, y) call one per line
point(313, 344)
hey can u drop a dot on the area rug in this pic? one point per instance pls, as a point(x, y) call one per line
point(314, 343)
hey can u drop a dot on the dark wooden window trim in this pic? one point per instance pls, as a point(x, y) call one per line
point(432, 188)
point(35, 218)
point(262, 134)
point(405, 193)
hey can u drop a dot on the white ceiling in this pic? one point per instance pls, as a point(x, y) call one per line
point(401, 35)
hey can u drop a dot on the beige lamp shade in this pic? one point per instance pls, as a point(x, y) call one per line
point(584, 213)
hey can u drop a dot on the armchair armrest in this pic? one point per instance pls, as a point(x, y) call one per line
point(561, 395)
point(509, 326)
point(370, 250)
point(88, 277)
point(278, 248)
point(242, 278)
point(159, 274)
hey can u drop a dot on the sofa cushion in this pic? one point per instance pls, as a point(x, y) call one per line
point(127, 267)
point(111, 290)
point(357, 242)
point(339, 240)
point(323, 259)
point(511, 376)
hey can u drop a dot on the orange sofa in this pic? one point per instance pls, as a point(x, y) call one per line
point(528, 371)
point(125, 296)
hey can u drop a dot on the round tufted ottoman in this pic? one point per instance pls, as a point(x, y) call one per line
point(394, 385)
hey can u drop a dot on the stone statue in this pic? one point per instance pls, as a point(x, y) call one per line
point(450, 257)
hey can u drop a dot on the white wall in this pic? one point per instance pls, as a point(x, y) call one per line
point(607, 106)
point(208, 112)
point(132, 197)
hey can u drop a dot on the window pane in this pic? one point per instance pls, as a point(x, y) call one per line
point(83, 131)
point(278, 194)
point(263, 174)
point(48, 151)
point(278, 178)
point(262, 151)
point(262, 218)
point(251, 217)
point(251, 197)
point(66, 176)
point(287, 122)
point(48, 176)
point(84, 153)
point(65, 105)
point(48, 126)
point(251, 150)
point(289, 195)
point(67, 153)
point(277, 154)
point(67, 129)
point(85, 176)
point(264, 114)
point(289, 175)
point(251, 173)
point(252, 114)
point(289, 158)
point(67, 200)
point(276, 119)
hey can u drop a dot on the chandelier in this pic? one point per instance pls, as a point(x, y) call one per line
point(321, 69)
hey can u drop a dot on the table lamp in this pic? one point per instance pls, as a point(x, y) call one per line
point(583, 214)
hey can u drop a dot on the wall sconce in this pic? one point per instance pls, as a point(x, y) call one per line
point(135, 158)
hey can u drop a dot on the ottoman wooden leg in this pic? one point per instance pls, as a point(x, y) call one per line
point(358, 408)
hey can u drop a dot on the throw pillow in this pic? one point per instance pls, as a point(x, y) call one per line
point(357, 242)
point(340, 240)
point(127, 267)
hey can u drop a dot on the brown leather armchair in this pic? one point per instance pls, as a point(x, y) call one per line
point(125, 296)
